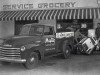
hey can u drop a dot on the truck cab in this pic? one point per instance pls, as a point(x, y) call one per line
point(36, 42)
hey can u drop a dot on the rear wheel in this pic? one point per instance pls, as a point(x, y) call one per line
point(31, 60)
point(66, 50)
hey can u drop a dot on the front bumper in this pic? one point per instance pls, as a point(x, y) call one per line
point(13, 60)
point(11, 55)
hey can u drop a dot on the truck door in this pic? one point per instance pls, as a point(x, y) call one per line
point(49, 40)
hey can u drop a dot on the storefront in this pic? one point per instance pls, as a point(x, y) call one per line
point(14, 14)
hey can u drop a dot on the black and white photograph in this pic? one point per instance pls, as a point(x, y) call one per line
point(49, 37)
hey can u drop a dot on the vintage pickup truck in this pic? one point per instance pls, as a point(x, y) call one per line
point(36, 42)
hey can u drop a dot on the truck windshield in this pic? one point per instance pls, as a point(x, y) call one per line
point(31, 30)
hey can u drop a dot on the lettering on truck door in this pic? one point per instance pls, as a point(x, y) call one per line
point(49, 40)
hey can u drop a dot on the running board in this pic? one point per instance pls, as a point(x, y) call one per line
point(52, 55)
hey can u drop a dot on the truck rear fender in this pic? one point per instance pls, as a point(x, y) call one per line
point(69, 43)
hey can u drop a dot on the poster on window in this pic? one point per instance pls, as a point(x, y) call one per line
point(83, 26)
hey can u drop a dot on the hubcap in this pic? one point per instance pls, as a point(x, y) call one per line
point(32, 59)
point(67, 51)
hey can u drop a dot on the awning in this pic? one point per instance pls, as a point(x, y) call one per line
point(81, 13)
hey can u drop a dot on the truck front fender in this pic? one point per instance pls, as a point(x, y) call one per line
point(36, 48)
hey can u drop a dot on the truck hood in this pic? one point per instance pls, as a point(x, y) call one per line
point(21, 40)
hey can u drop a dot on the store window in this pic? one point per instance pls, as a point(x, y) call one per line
point(83, 24)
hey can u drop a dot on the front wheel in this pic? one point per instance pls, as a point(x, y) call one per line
point(66, 50)
point(31, 60)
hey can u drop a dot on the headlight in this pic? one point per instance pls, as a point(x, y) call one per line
point(22, 48)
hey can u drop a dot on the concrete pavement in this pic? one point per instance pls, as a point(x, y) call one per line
point(75, 65)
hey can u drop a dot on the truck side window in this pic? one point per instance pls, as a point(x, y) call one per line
point(36, 30)
point(48, 31)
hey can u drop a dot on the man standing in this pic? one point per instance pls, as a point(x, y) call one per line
point(78, 36)
point(97, 32)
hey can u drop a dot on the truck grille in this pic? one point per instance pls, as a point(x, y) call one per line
point(10, 52)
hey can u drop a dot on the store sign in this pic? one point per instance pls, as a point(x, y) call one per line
point(45, 4)
point(56, 5)
point(17, 6)
point(40, 5)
